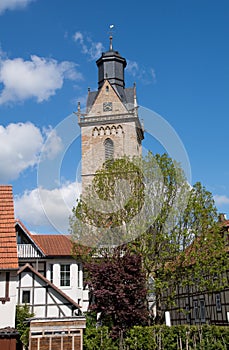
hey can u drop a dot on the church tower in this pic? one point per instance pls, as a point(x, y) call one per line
point(110, 128)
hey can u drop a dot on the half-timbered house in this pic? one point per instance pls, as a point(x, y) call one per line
point(51, 256)
point(25, 264)
point(58, 321)
point(8, 270)
point(194, 306)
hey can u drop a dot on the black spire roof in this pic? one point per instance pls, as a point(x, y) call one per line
point(111, 66)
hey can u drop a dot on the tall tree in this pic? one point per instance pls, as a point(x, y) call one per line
point(108, 209)
point(101, 220)
point(148, 204)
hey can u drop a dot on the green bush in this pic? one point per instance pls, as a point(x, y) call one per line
point(98, 339)
point(22, 313)
point(160, 338)
point(178, 337)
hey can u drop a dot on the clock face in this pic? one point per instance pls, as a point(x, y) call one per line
point(107, 106)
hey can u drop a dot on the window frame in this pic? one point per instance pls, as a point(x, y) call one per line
point(202, 310)
point(24, 293)
point(196, 311)
point(65, 275)
point(51, 272)
point(218, 303)
point(109, 148)
point(188, 315)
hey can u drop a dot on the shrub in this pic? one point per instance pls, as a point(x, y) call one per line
point(99, 339)
point(160, 338)
point(22, 313)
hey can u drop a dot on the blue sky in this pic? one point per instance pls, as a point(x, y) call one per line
point(177, 53)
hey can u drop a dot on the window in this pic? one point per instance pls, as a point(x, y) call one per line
point(109, 149)
point(218, 302)
point(25, 296)
point(196, 311)
point(202, 310)
point(188, 318)
point(19, 239)
point(51, 273)
point(65, 275)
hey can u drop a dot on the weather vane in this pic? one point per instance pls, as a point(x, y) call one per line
point(111, 36)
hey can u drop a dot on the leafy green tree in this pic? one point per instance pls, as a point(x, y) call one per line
point(187, 250)
point(108, 209)
point(147, 204)
point(183, 244)
point(23, 313)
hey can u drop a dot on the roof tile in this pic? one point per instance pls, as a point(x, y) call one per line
point(54, 245)
point(51, 244)
point(8, 244)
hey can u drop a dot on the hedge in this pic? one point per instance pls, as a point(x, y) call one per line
point(160, 338)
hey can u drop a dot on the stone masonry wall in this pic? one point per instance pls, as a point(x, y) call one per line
point(125, 141)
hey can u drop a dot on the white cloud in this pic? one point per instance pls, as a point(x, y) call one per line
point(53, 144)
point(37, 78)
point(221, 199)
point(153, 74)
point(94, 50)
point(89, 47)
point(21, 145)
point(13, 4)
point(132, 68)
point(78, 37)
point(43, 207)
point(145, 75)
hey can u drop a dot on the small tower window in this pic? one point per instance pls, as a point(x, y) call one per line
point(107, 89)
point(109, 149)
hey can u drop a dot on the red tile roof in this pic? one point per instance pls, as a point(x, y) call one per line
point(50, 244)
point(53, 245)
point(8, 243)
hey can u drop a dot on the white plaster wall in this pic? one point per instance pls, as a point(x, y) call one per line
point(2, 283)
point(39, 311)
point(26, 279)
point(39, 295)
point(40, 298)
point(7, 310)
point(75, 290)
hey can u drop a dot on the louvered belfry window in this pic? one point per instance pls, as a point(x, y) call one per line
point(109, 149)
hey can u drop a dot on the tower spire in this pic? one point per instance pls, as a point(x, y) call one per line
point(111, 66)
point(111, 36)
point(111, 43)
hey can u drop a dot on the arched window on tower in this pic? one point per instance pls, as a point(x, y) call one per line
point(109, 149)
